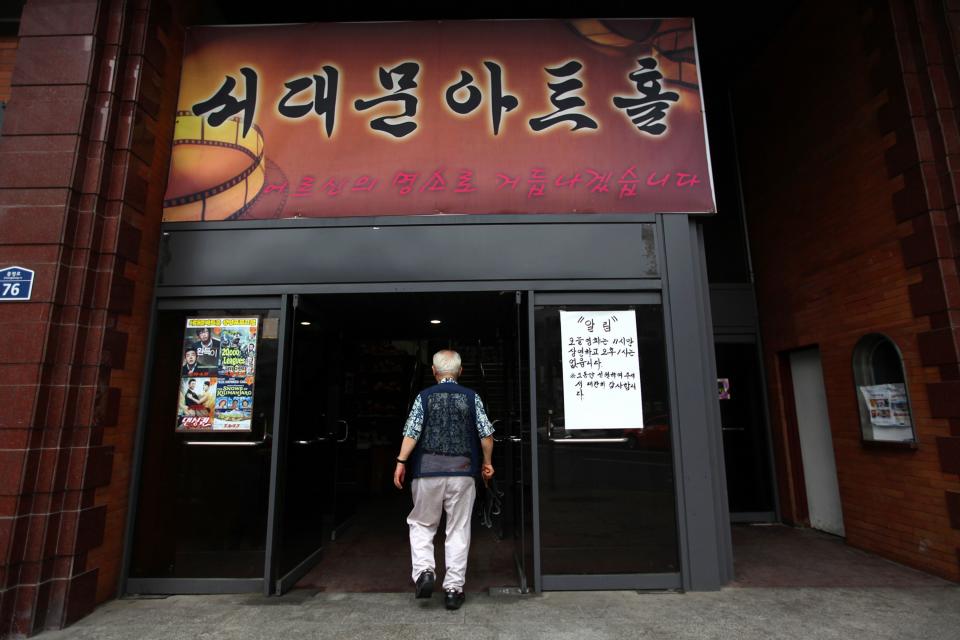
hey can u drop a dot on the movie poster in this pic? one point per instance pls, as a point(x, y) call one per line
point(217, 374)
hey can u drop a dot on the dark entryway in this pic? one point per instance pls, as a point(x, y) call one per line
point(356, 364)
point(746, 444)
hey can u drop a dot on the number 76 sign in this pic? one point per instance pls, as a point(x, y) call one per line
point(16, 284)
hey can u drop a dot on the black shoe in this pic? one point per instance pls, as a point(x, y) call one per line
point(425, 584)
point(453, 599)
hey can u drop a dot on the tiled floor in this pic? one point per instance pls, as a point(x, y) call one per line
point(779, 556)
point(373, 555)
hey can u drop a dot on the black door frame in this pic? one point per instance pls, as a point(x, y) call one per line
point(646, 581)
point(677, 271)
point(281, 584)
point(203, 585)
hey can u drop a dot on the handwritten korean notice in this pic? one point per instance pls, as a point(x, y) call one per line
point(601, 370)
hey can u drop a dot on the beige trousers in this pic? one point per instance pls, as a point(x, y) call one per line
point(431, 497)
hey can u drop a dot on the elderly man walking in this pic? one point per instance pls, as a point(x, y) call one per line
point(444, 439)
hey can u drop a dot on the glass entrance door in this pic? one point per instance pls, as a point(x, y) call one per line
point(356, 365)
point(607, 503)
point(203, 489)
point(512, 449)
point(315, 477)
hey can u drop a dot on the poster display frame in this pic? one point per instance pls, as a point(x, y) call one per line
point(216, 395)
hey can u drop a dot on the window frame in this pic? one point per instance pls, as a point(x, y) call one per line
point(861, 364)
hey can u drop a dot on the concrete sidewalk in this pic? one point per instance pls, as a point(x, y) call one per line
point(927, 613)
point(790, 583)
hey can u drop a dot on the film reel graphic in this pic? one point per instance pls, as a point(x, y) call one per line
point(217, 173)
point(670, 41)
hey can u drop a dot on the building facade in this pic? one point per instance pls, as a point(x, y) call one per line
point(843, 129)
point(855, 240)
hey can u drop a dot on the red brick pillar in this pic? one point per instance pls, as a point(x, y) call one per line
point(924, 114)
point(83, 156)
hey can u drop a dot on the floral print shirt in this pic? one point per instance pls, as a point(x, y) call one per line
point(414, 424)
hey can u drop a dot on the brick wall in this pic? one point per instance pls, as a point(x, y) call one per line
point(835, 259)
point(149, 156)
point(83, 157)
point(8, 52)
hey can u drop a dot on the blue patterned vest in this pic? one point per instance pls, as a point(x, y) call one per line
point(449, 444)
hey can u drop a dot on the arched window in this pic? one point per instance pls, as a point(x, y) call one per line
point(885, 414)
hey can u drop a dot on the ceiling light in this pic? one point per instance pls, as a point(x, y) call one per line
point(435, 322)
point(305, 323)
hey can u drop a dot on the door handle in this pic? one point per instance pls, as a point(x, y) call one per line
point(588, 440)
point(346, 430)
point(515, 439)
point(229, 443)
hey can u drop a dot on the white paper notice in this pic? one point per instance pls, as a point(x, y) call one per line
point(601, 370)
point(889, 411)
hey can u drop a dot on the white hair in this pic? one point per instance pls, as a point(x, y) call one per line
point(447, 361)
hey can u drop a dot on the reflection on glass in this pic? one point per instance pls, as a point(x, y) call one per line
point(607, 502)
point(307, 513)
point(202, 507)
